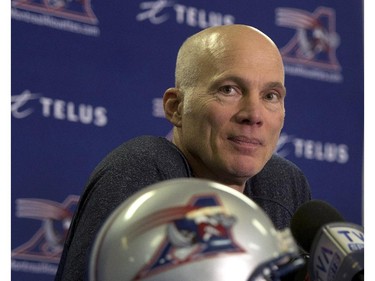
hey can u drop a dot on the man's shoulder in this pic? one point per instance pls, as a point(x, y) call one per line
point(148, 141)
point(278, 163)
point(281, 172)
point(145, 146)
point(144, 152)
point(280, 188)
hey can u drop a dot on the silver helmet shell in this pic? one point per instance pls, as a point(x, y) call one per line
point(189, 229)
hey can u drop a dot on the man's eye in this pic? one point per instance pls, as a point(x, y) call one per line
point(272, 96)
point(228, 90)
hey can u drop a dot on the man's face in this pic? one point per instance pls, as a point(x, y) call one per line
point(233, 116)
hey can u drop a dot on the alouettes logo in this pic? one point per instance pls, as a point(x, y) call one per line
point(195, 231)
point(315, 40)
point(76, 10)
point(47, 243)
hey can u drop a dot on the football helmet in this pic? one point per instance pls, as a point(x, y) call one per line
point(191, 229)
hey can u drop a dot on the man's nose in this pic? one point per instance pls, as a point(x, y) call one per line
point(250, 110)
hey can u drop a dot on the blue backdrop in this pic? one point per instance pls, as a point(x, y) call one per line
point(89, 75)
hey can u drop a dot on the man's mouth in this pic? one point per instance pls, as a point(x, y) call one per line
point(244, 140)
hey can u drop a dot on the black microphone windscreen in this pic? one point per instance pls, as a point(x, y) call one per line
point(308, 220)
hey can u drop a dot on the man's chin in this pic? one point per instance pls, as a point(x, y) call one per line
point(245, 172)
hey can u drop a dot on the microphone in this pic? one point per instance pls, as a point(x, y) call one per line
point(336, 247)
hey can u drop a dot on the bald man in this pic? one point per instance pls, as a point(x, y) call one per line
point(227, 110)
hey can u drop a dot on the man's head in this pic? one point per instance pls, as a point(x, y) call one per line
point(227, 106)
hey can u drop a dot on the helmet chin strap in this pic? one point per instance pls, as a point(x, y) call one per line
point(273, 271)
point(290, 260)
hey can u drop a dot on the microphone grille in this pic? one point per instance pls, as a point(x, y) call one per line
point(309, 218)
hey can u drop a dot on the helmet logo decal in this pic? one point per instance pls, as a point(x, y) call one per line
point(202, 229)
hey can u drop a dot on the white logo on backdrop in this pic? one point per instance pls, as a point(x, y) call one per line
point(160, 11)
point(19, 108)
point(23, 106)
point(153, 11)
point(312, 149)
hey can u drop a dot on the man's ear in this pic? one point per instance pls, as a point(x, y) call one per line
point(172, 103)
